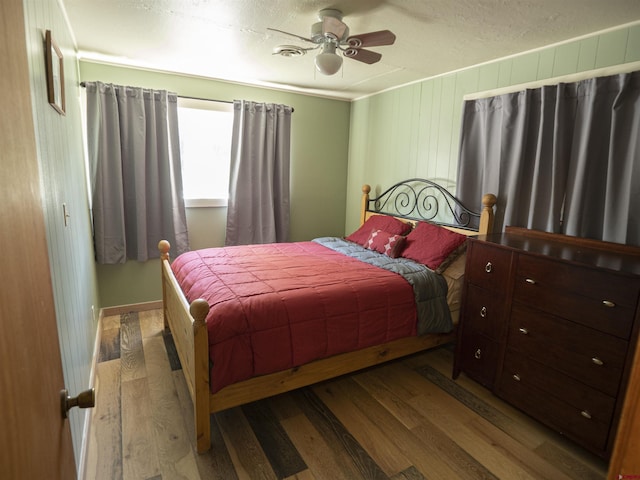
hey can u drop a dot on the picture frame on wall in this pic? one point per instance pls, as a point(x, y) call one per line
point(55, 74)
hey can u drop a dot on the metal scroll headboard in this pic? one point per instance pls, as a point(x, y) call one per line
point(419, 199)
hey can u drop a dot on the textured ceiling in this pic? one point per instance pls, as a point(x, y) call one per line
point(229, 40)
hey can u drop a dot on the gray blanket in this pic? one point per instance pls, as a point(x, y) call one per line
point(429, 288)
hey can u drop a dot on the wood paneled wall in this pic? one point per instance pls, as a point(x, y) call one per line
point(63, 181)
point(414, 130)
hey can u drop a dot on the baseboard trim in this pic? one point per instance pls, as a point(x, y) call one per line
point(86, 431)
point(134, 307)
point(104, 312)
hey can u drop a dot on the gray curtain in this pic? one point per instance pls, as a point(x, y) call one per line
point(258, 209)
point(560, 158)
point(136, 181)
point(603, 196)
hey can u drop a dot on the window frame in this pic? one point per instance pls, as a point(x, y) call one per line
point(205, 104)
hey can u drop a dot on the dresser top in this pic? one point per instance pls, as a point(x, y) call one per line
point(582, 251)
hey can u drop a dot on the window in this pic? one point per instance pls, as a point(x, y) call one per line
point(205, 151)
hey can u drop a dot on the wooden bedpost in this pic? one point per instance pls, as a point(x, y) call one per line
point(199, 309)
point(366, 189)
point(164, 248)
point(487, 215)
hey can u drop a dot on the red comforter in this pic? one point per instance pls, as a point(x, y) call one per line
point(278, 306)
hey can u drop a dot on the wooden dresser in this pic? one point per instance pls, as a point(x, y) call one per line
point(549, 323)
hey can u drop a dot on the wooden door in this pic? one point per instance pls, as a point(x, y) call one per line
point(35, 442)
point(625, 461)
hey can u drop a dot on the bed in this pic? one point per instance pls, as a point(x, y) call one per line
point(341, 304)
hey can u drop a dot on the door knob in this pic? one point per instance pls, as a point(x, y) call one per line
point(86, 399)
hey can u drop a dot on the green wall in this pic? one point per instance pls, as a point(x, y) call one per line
point(414, 130)
point(63, 182)
point(319, 156)
point(338, 146)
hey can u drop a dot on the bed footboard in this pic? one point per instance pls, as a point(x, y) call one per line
point(188, 327)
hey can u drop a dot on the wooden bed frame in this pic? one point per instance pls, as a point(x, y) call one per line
point(187, 321)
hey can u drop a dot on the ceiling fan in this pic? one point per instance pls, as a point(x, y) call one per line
point(331, 34)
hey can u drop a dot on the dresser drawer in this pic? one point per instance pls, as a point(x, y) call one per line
point(547, 396)
point(488, 266)
point(593, 358)
point(593, 298)
point(568, 390)
point(484, 312)
point(479, 358)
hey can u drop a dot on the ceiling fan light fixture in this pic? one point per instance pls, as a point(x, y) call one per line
point(330, 33)
point(328, 62)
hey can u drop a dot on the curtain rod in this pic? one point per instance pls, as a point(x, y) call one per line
point(83, 84)
point(569, 78)
point(205, 99)
point(212, 100)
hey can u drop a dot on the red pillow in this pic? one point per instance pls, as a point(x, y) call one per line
point(379, 222)
point(431, 245)
point(384, 242)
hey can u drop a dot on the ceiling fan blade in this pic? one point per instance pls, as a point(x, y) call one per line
point(372, 39)
point(362, 55)
point(334, 26)
point(291, 34)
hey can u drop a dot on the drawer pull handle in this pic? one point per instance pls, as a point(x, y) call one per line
point(488, 267)
point(478, 354)
point(530, 281)
point(483, 312)
point(585, 414)
point(523, 331)
point(607, 303)
point(516, 377)
point(597, 361)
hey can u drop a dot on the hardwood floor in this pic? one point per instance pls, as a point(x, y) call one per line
point(404, 420)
